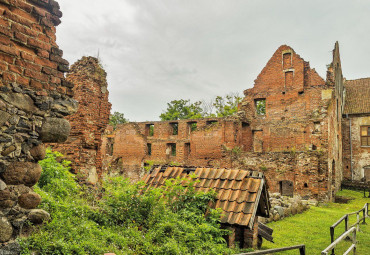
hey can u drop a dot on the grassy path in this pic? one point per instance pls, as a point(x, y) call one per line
point(312, 227)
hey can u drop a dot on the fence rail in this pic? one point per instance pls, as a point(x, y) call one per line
point(346, 234)
point(301, 248)
point(356, 225)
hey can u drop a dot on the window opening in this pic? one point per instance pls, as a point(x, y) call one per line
point(365, 136)
point(149, 129)
point(260, 106)
point(171, 149)
point(175, 128)
point(110, 146)
point(187, 149)
point(287, 60)
point(149, 146)
point(192, 126)
point(286, 188)
point(211, 122)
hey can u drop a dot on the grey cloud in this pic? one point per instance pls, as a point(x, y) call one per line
point(157, 51)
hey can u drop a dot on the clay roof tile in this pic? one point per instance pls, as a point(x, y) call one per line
point(219, 173)
point(225, 174)
point(204, 173)
point(167, 172)
point(241, 175)
point(212, 173)
point(233, 174)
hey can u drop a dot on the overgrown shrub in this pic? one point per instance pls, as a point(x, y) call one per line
point(126, 220)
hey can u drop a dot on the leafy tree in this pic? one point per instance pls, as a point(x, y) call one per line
point(216, 107)
point(228, 105)
point(182, 109)
point(117, 118)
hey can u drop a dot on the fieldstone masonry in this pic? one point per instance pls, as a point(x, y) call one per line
point(34, 98)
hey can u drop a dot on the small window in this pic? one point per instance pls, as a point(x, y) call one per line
point(211, 122)
point(175, 128)
point(149, 129)
point(260, 106)
point(192, 126)
point(187, 149)
point(110, 146)
point(149, 146)
point(171, 149)
point(287, 60)
point(365, 136)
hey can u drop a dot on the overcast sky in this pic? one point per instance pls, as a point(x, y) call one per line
point(155, 51)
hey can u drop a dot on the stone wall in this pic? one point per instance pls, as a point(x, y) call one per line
point(303, 173)
point(34, 98)
point(83, 147)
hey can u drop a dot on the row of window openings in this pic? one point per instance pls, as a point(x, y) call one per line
point(192, 126)
point(170, 149)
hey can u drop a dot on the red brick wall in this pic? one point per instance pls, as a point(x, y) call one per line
point(207, 143)
point(83, 147)
point(293, 104)
point(301, 119)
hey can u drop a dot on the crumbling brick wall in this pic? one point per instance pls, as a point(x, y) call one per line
point(34, 98)
point(201, 142)
point(301, 116)
point(83, 147)
point(290, 173)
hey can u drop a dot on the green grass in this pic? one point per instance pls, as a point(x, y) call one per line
point(312, 227)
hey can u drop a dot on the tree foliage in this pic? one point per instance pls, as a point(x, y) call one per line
point(216, 107)
point(125, 219)
point(117, 118)
point(182, 109)
point(261, 107)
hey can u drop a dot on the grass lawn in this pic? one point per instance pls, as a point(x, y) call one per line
point(312, 227)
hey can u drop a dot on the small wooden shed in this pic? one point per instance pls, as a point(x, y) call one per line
point(241, 194)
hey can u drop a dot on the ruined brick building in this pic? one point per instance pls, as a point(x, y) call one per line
point(34, 98)
point(289, 126)
point(83, 146)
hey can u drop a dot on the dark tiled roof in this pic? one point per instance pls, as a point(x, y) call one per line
point(239, 192)
point(357, 99)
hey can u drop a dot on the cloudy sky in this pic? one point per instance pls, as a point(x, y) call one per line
point(155, 51)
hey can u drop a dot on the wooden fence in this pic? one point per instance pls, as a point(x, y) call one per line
point(301, 248)
point(365, 213)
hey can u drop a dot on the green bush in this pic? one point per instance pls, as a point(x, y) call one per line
point(126, 220)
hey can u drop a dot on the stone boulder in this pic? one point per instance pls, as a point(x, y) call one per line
point(6, 230)
point(18, 173)
point(38, 216)
point(55, 130)
point(29, 200)
point(38, 152)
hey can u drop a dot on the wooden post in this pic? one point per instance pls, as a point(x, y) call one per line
point(358, 221)
point(355, 242)
point(346, 223)
point(302, 250)
point(332, 239)
point(364, 215)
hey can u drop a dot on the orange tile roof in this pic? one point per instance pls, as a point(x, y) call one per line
point(357, 98)
point(239, 192)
